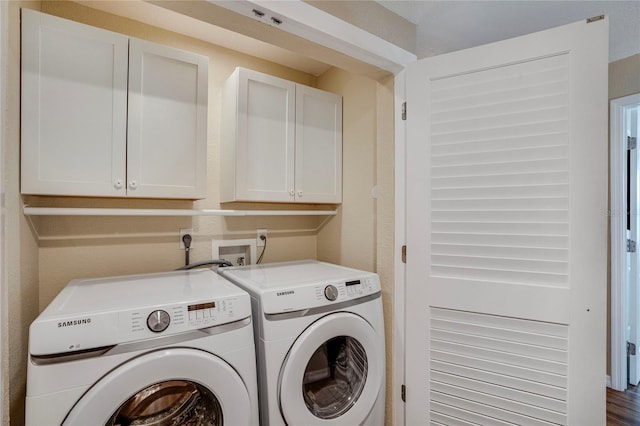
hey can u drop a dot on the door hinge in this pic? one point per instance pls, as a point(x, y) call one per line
point(631, 348)
point(404, 254)
point(632, 142)
point(404, 110)
point(595, 19)
point(631, 246)
point(403, 393)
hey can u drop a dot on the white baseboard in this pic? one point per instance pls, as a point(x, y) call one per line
point(608, 381)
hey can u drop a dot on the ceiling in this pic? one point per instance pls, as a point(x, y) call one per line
point(441, 25)
point(447, 26)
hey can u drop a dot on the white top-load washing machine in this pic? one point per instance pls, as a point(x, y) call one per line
point(319, 340)
point(171, 348)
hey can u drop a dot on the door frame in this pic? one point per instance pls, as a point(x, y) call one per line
point(617, 214)
point(4, 65)
point(400, 231)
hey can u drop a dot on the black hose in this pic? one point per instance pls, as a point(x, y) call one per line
point(218, 262)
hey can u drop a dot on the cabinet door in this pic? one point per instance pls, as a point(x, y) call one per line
point(318, 173)
point(167, 133)
point(74, 100)
point(265, 138)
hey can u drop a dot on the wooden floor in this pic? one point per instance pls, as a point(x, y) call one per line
point(623, 408)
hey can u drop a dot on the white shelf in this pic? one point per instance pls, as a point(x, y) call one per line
point(64, 211)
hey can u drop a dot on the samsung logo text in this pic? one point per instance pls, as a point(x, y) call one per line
point(74, 322)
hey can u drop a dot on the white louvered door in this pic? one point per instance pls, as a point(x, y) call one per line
point(506, 232)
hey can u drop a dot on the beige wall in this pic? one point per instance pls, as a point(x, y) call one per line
point(349, 238)
point(624, 77)
point(20, 245)
point(54, 250)
point(624, 80)
point(72, 247)
point(385, 209)
point(361, 236)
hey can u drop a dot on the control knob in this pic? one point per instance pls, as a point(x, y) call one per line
point(331, 292)
point(158, 321)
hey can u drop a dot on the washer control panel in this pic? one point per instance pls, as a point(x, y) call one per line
point(143, 323)
point(348, 290)
point(307, 296)
point(100, 312)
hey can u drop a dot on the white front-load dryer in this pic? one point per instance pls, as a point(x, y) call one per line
point(320, 342)
point(171, 348)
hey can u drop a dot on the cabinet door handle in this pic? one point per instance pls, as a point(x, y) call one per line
point(133, 184)
point(300, 193)
point(118, 184)
point(292, 192)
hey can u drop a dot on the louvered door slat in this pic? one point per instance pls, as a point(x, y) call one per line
point(551, 404)
point(498, 356)
point(439, 419)
point(527, 382)
point(487, 412)
point(446, 412)
point(496, 180)
point(517, 130)
point(507, 382)
point(506, 404)
point(539, 352)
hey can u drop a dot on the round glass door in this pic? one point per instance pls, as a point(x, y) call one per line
point(333, 372)
point(170, 403)
point(175, 386)
point(334, 377)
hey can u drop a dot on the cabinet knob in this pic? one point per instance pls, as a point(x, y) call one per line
point(133, 184)
point(300, 193)
point(118, 184)
point(292, 192)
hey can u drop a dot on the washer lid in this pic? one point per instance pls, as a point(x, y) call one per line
point(274, 276)
point(139, 291)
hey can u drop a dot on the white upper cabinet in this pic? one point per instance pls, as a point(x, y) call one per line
point(74, 108)
point(318, 146)
point(167, 131)
point(86, 131)
point(281, 141)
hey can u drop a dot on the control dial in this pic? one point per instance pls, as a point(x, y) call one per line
point(158, 321)
point(331, 292)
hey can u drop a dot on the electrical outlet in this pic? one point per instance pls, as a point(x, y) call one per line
point(184, 232)
point(259, 233)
